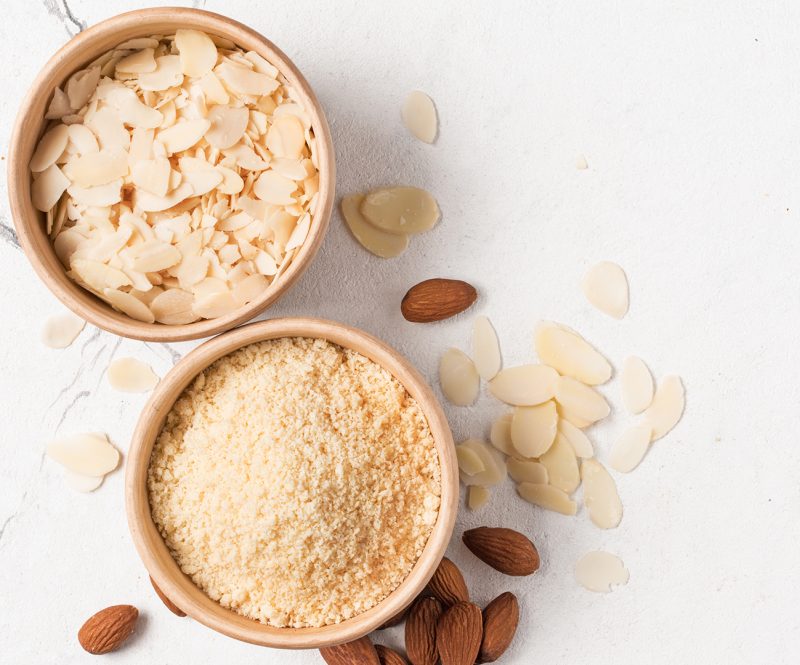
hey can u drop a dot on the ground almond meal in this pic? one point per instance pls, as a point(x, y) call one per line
point(295, 482)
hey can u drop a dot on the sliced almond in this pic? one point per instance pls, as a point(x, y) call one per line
point(213, 89)
point(48, 188)
point(419, 115)
point(500, 435)
point(131, 376)
point(152, 175)
point(80, 483)
point(183, 135)
point(533, 428)
point(286, 137)
point(128, 304)
point(87, 454)
point(131, 109)
point(637, 385)
point(494, 471)
point(147, 202)
point(299, 233)
point(59, 105)
point(97, 168)
point(203, 182)
point(107, 126)
point(227, 125)
point(81, 85)
point(547, 496)
point(525, 385)
point(400, 210)
point(61, 330)
point(667, 407)
point(245, 81)
point(571, 355)
point(477, 497)
point(198, 54)
point(139, 62)
point(249, 289)
point(469, 462)
point(580, 443)
point(49, 148)
point(173, 307)
point(232, 182)
point(580, 399)
point(562, 466)
point(598, 571)
point(606, 287)
point(572, 418)
point(273, 188)
point(600, 495)
point(380, 243)
point(98, 275)
point(193, 269)
point(215, 305)
point(630, 448)
point(82, 140)
point(154, 256)
point(166, 74)
point(99, 196)
point(485, 348)
point(527, 471)
point(138, 43)
point(458, 377)
point(245, 157)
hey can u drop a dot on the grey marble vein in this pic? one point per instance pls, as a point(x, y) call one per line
point(13, 515)
point(8, 235)
point(68, 408)
point(61, 10)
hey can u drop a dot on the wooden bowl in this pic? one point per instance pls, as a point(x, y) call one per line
point(29, 126)
point(153, 551)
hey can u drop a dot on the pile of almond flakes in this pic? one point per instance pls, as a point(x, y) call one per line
point(179, 176)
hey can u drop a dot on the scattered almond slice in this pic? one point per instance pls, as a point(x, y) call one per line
point(485, 349)
point(630, 448)
point(477, 497)
point(166, 74)
point(581, 164)
point(61, 330)
point(580, 399)
point(468, 461)
point(81, 483)
point(47, 189)
point(494, 466)
point(129, 375)
point(86, 454)
point(547, 496)
point(380, 243)
point(533, 428)
point(419, 115)
point(50, 147)
point(400, 210)
point(527, 471)
point(606, 287)
point(600, 495)
point(173, 307)
point(667, 408)
point(500, 434)
point(198, 54)
point(228, 124)
point(569, 354)
point(580, 443)
point(561, 465)
point(458, 377)
point(637, 385)
point(597, 571)
point(525, 385)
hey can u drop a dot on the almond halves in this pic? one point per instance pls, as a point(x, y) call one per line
point(503, 549)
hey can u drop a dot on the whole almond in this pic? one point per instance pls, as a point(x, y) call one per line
point(459, 634)
point(437, 299)
point(421, 631)
point(389, 656)
point(505, 550)
point(357, 652)
point(447, 584)
point(108, 629)
point(172, 607)
point(500, 620)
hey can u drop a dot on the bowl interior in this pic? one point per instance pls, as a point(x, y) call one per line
point(163, 568)
point(30, 124)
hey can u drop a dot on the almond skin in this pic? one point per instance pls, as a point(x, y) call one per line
point(172, 607)
point(437, 299)
point(459, 634)
point(447, 584)
point(357, 652)
point(389, 656)
point(108, 629)
point(421, 631)
point(500, 620)
point(505, 550)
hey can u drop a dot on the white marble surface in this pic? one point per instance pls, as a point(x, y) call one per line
point(687, 115)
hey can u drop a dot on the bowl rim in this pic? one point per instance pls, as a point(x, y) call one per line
point(76, 53)
point(153, 551)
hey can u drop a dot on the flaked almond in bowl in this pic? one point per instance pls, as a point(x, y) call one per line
point(292, 483)
point(171, 174)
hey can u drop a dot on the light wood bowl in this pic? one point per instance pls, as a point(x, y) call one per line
point(153, 551)
point(29, 126)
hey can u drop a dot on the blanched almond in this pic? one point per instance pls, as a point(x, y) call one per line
point(562, 466)
point(606, 287)
point(419, 115)
point(131, 376)
point(630, 448)
point(128, 304)
point(500, 434)
point(48, 188)
point(81, 483)
point(477, 497)
point(249, 289)
point(192, 269)
point(468, 461)
point(533, 428)
point(97, 168)
point(99, 276)
point(61, 330)
point(299, 233)
point(600, 495)
point(87, 454)
point(49, 148)
point(286, 137)
point(139, 62)
point(667, 408)
point(227, 125)
point(485, 348)
point(458, 378)
point(81, 85)
point(525, 385)
point(166, 74)
point(154, 256)
point(152, 175)
point(183, 135)
point(273, 188)
point(147, 202)
point(198, 54)
point(215, 305)
point(494, 470)
point(572, 418)
point(245, 81)
point(547, 496)
point(637, 385)
point(400, 210)
point(202, 182)
point(581, 400)
point(173, 307)
point(527, 471)
point(99, 196)
point(597, 571)
point(571, 355)
point(580, 443)
point(82, 140)
point(380, 243)
point(107, 126)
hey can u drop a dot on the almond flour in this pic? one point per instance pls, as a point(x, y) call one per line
point(295, 482)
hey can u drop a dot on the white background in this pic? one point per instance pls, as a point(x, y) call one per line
point(688, 114)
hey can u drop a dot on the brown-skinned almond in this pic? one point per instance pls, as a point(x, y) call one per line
point(172, 607)
point(437, 299)
point(421, 631)
point(107, 630)
point(500, 620)
point(459, 634)
point(389, 656)
point(505, 550)
point(447, 584)
point(357, 652)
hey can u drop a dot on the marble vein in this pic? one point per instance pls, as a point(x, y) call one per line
point(61, 11)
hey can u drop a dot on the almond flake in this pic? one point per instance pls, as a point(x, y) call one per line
point(494, 471)
point(469, 462)
point(173, 307)
point(485, 349)
point(48, 188)
point(129, 305)
point(213, 89)
point(249, 289)
point(183, 135)
point(245, 81)
point(294, 169)
point(477, 497)
point(203, 182)
point(50, 147)
point(500, 434)
point(154, 256)
point(630, 448)
point(286, 137)
point(192, 270)
point(232, 182)
point(637, 385)
point(533, 428)
point(166, 74)
point(97, 168)
point(100, 196)
point(138, 43)
point(580, 443)
point(131, 110)
point(87, 454)
point(667, 407)
point(215, 305)
point(527, 471)
point(61, 330)
point(98, 275)
point(82, 139)
point(274, 188)
point(458, 378)
point(525, 385)
point(147, 202)
point(198, 54)
point(419, 115)
point(227, 125)
point(80, 483)
point(129, 375)
point(59, 105)
point(562, 466)
point(265, 264)
point(152, 175)
point(606, 287)
point(569, 354)
point(140, 62)
point(400, 210)
point(573, 419)
point(580, 399)
point(600, 495)
point(81, 85)
point(547, 496)
point(299, 233)
point(380, 243)
point(246, 158)
point(109, 130)
point(597, 571)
